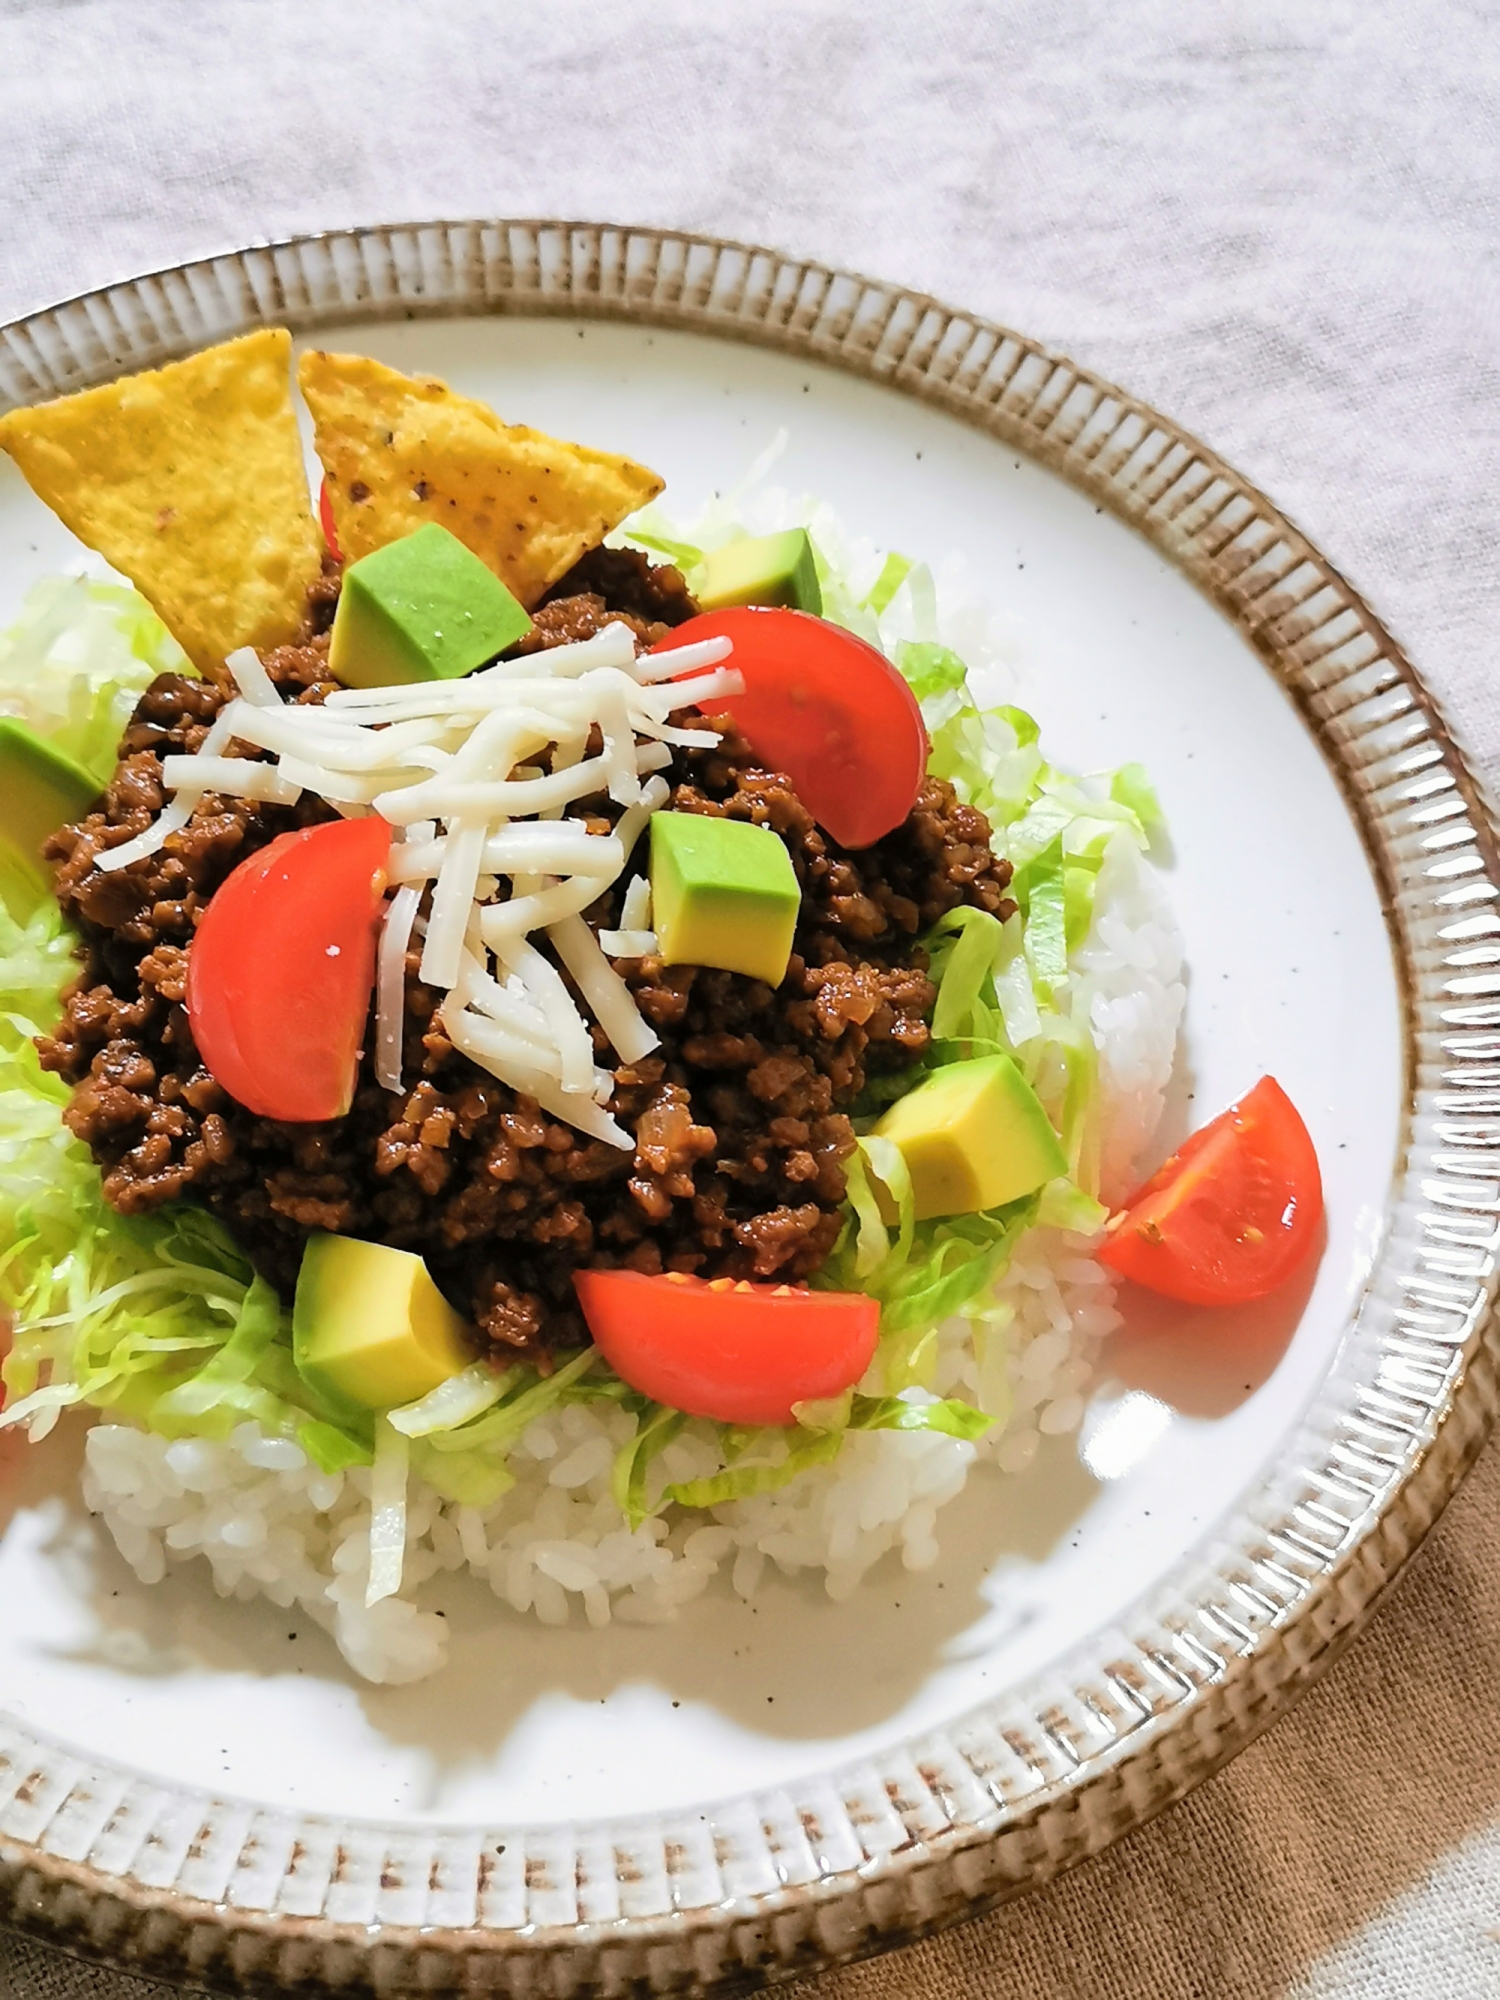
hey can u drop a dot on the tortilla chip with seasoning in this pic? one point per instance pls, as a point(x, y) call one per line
point(402, 450)
point(189, 480)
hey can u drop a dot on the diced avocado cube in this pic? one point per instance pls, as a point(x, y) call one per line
point(723, 893)
point(369, 1327)
point(422, 608)
point(973, 1136)
point(40, 790)
point(761, 569)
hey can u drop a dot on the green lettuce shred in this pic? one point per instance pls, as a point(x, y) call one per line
point(770, 1459)
point(225, 1385)
point(468, 1463)
point(963, 950)
point(929, 669)
point(532, 1397)
point(1130, 787)
point(475, 1478)
point(685, 555)
point(913, 1411)
point(921, 1272)
point(893, 573)
point(947, 1414)
point(1040, 891)
point(655, 1430)
point(759, 1475)
point(330, 1449)
point(76, 661)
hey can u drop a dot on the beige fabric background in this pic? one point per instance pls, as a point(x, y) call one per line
point(1276, 220)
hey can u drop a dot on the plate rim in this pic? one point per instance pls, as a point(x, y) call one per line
point(182, 1883)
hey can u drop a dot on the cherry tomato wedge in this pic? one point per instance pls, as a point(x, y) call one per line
point(281, 967)
point(1233, 1212)
point(725, 1348)
point(825, 708)
point(330, 529)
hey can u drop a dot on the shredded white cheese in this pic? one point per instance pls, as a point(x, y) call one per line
point(390, 985)
point(628, 944)
point(476, 776)
point(176, 815)
point(240, 777)
point(453, 898)
point(251, 678)
point(635, 937)
point(602, 987)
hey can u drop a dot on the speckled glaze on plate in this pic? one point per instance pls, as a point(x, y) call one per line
point(589, 1813)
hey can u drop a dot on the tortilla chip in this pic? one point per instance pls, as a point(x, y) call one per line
point(402, 450)
point(189, 479)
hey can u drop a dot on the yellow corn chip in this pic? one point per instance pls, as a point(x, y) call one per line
point(189, 479)
point(401, 450)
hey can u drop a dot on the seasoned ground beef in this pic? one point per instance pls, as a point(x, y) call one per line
point(602, 588)
point(740, 1116)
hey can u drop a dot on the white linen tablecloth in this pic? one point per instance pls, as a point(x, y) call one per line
point(1278, 221)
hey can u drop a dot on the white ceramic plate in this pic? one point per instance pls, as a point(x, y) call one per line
point(769, 1786)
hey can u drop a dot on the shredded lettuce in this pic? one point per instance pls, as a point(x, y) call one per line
point(910, 1412)
point(686, 555)
point(929, 669)
point(964, 949)
point(946, 1414)
point(1130, 787)
point(780, 1465)
point(330, 1449)
point(225, 1385)
point(467, 1462)
point(655, 1430)
point(893, 573)
point(1046, 923)
point(922, 1273)
point(74, 664)
point(772, 1458)
point(475, 1479)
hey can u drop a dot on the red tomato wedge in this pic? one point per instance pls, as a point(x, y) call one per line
point(725, 1348)
point(330, 530)
point(825, 708)
point(1233, 1212)
point(281, 967)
